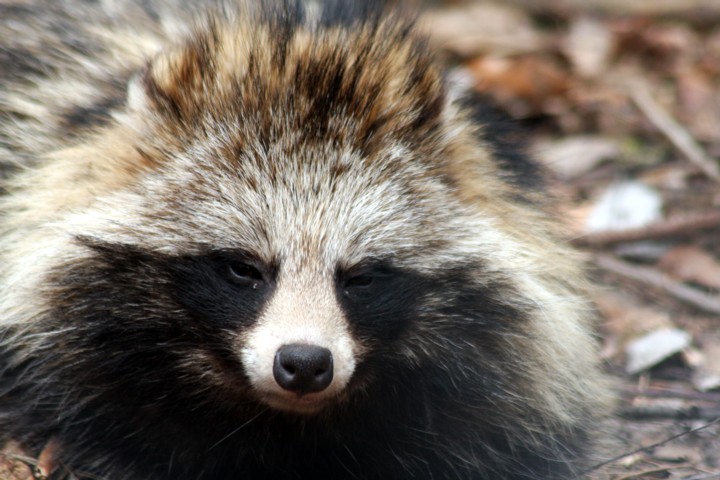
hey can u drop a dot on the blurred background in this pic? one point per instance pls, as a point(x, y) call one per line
point(621, 101)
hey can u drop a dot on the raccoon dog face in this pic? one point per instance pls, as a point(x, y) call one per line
point(289, 226)
point(292, 267)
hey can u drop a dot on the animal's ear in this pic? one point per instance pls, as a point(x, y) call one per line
point(171, 84)
point(458, 84)
point(137, 98)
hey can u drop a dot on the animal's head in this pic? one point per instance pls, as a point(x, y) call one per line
point(286, 214)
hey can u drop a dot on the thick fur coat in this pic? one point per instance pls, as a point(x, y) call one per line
point(190, 190)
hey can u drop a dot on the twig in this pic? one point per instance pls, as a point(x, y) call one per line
point(650, 447)
point(655, 278)
point(670, 393)
point(675, 132)
point(703, 476)
point(676, 226)
point(706, 11)
point(659, 412)
point(650, 471)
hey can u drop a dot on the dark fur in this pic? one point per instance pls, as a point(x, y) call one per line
point(132, 416)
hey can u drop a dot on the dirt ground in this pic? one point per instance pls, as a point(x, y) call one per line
point(622, 103)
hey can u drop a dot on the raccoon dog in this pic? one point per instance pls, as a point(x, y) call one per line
point(273, 241)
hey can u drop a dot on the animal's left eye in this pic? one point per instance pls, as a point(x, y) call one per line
point(365, 279)
point(361, 280)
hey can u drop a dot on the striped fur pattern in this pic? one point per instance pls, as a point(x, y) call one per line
point(189, 189)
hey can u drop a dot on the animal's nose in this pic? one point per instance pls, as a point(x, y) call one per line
point(303, 368)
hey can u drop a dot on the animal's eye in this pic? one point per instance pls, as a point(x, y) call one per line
point(245, 274)
point(361, 280)
point(365, 279)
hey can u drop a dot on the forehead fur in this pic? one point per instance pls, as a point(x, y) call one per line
point(296, 136)
point(260, 80)
point(319, 206)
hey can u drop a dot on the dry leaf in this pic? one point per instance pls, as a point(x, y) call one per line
point(675, 176)
point(699, 104)
point(571, 157)
point(483, 28)
point(707, 374)
point(711, 55)
point(646, 352)
point(589, 46)
point(667, 47)
point(691, 264)
point(677, 453)
point(532, 79)
point(625, 205)
point(625, 320)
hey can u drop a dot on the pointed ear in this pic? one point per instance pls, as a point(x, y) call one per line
point(459, 83)
point(173, 83)
point(137, 99)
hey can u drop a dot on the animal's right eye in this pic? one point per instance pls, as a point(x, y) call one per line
point(362, 280)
